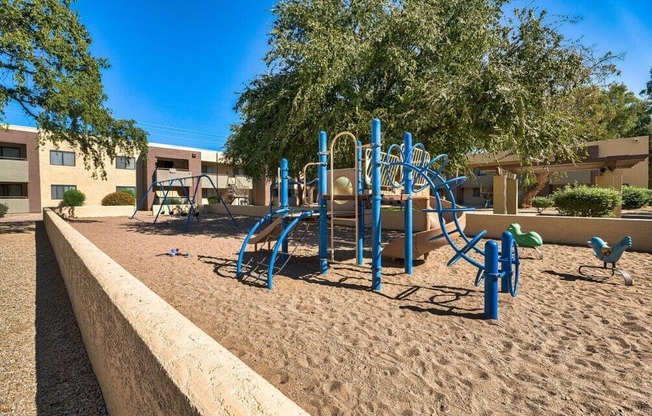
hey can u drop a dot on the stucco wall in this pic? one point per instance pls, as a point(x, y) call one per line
point(29, 137)
point(94, 188)
point(565, 230)
point(148, 358)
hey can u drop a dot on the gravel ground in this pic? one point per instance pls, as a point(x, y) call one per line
point(44, 368)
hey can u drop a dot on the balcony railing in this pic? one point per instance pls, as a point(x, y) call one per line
point(218, 180)
point(166, 174)
point(14, 170)
point(17, 204)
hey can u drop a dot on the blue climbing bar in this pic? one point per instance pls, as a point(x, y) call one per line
point(491, 280)
point(407, 190)
point(360, 219)
point(284, 205)
point(322, 189)
point(375, 205)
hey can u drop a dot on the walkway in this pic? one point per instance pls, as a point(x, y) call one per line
point(44, 368)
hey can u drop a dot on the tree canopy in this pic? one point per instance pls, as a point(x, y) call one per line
point(461, 75)
point(47, 69)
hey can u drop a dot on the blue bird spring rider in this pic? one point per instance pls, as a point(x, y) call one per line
point(609, 256)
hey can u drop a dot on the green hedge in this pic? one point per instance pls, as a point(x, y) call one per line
point(635, 197)
point(213, 200)
point(118, 198)
point(73, 198)
point(586, 201)
point(3, 209)
point(542, 202)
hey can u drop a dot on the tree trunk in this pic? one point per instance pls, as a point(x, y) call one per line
point(543, 178)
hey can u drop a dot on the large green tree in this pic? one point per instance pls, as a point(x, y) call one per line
point(612, 112)
point(461, 75)
point(47, 69)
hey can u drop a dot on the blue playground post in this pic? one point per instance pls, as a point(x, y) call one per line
point(506, 260)
point(322, 189)
point(375, 205)
point(491, 280)
point(284, 205)
point(360, 219)
point(407, 190)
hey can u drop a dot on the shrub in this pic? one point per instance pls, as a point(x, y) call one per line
point(213, 200)
point(542, 202)
point(73, 198)
point(118, 198)
point(635, 197)
point(174, 201)
point(3, 209)
point(586, 201)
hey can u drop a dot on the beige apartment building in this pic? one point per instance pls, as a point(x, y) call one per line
point(33, 177)
point(607, 163)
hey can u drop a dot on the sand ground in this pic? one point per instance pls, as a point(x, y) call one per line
point(565, 345)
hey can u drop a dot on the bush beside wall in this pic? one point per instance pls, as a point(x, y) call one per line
point(587, 201)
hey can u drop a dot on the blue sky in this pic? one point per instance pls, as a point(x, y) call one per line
point(177, 66)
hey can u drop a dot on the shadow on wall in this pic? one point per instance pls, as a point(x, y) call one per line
point(65, 382)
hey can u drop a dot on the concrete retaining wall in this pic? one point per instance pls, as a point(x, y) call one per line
point(94, 211)
point(566, 230)
point(148, 358)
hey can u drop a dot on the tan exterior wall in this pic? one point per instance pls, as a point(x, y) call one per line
point(637, 175)
point(94, 188)
point(565, 230)
point(29, 138)
point(148, 358)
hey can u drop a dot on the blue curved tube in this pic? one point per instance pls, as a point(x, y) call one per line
point(281, 242)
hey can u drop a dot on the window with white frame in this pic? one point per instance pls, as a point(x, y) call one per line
point(58, 190)
point(57, 157)
point(124, 162)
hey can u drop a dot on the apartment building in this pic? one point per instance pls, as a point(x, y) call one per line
point(167, 165)
point(612, 163)
point(33, 177)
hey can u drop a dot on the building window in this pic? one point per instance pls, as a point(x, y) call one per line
point(479, 172)
point(60, 158)
point(124, 162)
point(11, 190)
point(58, 190)
point(7, 152)
point(476, 192)
point(207, 169)
point(126, 189)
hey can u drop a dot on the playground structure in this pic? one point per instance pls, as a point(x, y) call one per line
point(508, 274)
point(407, 167)
point(167, 186)
point(609, 256)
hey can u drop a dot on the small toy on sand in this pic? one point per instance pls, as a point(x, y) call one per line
point(176, 252)
point(607, 255)
point(531, 239)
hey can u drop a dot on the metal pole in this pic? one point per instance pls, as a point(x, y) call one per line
point(360, 219)
point(322, 189)
point(491, 280)
point(375, 206)
point(407, 190)
point(284, 205)
point(506, 261)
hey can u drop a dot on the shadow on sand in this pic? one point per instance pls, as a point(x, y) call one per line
point(65, 380)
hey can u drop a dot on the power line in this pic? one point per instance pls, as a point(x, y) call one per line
point(182, 130)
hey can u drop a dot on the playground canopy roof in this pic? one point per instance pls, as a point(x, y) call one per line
point(605, 154)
